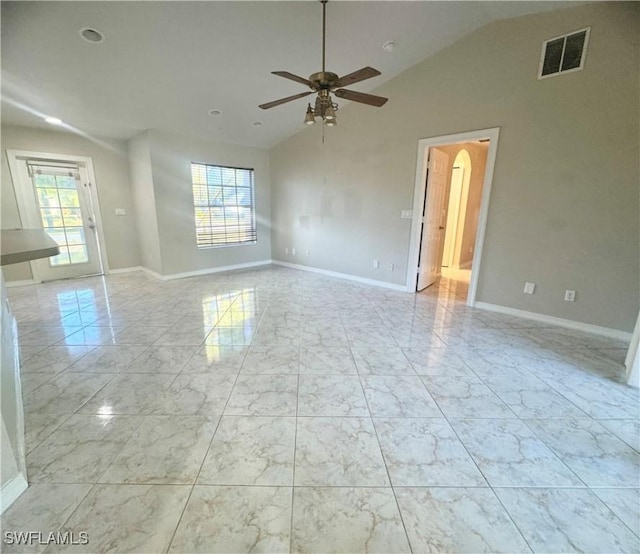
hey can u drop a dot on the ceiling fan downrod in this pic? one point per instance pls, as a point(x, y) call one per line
point(324, 31)
point(324, 83)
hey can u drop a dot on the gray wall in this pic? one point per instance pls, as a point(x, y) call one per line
point(111, 165)
point(171, 157)
point(144, 201)
point(564, 206)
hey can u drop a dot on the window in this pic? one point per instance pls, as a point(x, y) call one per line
point(224, 206)
point(563, 54)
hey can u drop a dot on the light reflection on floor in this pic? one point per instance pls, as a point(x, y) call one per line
point(275, 410)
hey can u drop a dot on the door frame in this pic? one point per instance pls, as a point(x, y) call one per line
point(419, 198)
point(14, 157)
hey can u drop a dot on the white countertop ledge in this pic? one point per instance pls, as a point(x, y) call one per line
point(23, 245)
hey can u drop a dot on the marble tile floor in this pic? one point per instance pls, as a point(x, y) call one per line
point(274, 410)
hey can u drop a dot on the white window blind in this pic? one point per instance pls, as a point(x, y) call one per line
point(224, 205)
point(53, 168)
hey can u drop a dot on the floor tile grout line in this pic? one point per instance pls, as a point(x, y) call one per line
point(558, 390)
point(635, 532)
point(546, 385)
point(27, 394)
point(480, 487)
point(554, 451)
point(295, 444)
point(463, 445)
point(513, 521)
point(92, 486)
point(142, 418)
point(295, 449)
point(204, 459)
point(114, 376)
point(483, 475)
point(446, 305)
point(29, 450)
point(384, 460)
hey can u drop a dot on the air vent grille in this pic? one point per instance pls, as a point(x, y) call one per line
point(563, 54)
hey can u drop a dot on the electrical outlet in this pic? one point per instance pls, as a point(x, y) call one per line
point(286, 250)
point(391, 267)
point(529, 288)
point(306, 252)
point(406, 214)
point(121, 211)
point(376, 264)
point(293, 251)
point(569, 295)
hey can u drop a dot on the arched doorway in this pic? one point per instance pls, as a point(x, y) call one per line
point(458, 196)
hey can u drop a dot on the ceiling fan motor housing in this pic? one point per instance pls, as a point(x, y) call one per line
point(324, 79)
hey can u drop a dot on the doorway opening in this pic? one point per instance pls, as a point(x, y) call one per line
point(451, 201)
point(57, 193)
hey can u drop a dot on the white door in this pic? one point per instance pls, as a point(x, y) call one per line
point(434, 215)
point(453, 215)
point(62, 204)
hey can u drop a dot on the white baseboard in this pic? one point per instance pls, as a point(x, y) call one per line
point(560, 322)
point(152, 273)
point(23, 283)
point(11, 490)
point(206, 271)
point(125, 270)
point(346, 276)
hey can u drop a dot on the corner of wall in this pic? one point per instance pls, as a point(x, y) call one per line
point(141, 174)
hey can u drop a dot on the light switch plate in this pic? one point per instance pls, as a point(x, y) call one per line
point(121, 211)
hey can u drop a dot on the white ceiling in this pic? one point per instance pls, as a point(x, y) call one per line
point(164, 65)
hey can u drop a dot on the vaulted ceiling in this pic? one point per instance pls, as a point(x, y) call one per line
point(165, 65)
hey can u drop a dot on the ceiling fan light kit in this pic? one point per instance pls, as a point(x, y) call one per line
point(323, 83)
point(309, 117)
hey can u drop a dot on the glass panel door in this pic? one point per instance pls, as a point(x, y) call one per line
point(65, 214)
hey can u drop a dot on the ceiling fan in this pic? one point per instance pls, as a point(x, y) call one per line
point(324, 83)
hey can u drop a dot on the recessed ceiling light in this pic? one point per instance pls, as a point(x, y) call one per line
point(389, 46)
point(92, 35)
point(215, 113)
point(257, 123)
point(53, 120)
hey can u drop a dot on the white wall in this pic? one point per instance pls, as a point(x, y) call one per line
point(564, 206)
point(171, 157)
point(13, 471)
point(111, 165)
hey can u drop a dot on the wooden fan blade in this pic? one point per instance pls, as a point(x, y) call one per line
point(295, 78)
point(361, 97)
point(356, 77)
point(283, 100)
